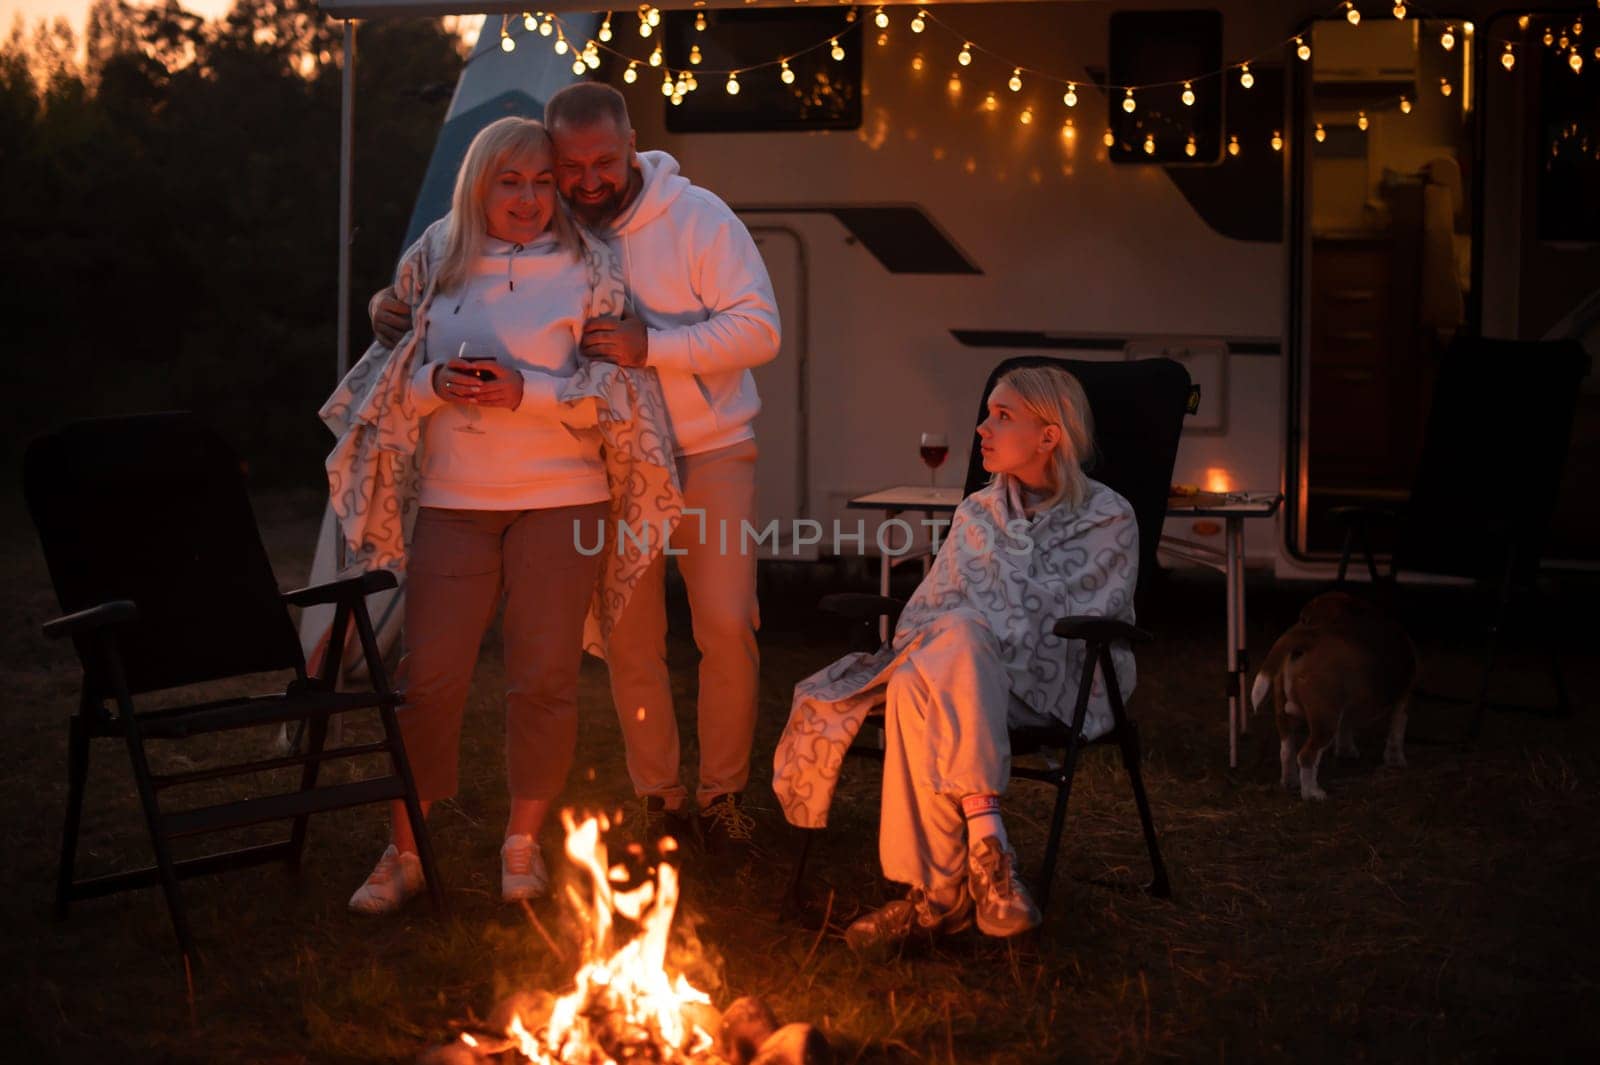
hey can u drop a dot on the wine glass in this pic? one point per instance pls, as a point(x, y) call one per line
point(470, 411)
point(935, 449)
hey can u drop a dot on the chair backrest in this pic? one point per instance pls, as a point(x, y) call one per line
point(1138, 409)
point(153, 508)
point(1492, 454)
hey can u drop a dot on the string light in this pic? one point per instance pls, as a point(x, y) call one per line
point(653, 16)
point(919, 21)
point(667, 88)
point(883, 39)
point(1127, 102)
point(1321, 134)
point(1070, 97)
point(1508, 58)
point(837, 51)
point(1246, 79)
point(591, 58)
point(561, 44)
point(733, 83)
point(1445, 88)
point(1015, 84)
point(1351, 14)
point(577, 65)
point(1277, 141)
point(631, 75)
point(1149, 144)
point(953, 86)
point(656, 57)
point(964, 56)
point(1405, 105)
point(506, 43)
point(1575, 61)
point(1400, 9)
point(694, 54)
point(547, 27)
point(1188, 95)
point(645, 29)
point(1361, 120)
point(529, 23)
point(1189, 148)
point(1109, 140)
point(700, 22)
point(1549, 38)
point(881, 18)
point(605, 29)
point(990, 103)
point(1522, 22)
point(787, 76)
point(1233, 144)
point(1026, 118)
point(916, 62)
point(1447, 39)
point(1302, 49)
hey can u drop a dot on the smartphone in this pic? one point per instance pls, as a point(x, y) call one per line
point(482, 375)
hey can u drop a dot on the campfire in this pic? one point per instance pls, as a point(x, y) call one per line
point(625, 1006)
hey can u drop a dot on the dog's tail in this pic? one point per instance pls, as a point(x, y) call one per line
point(1290, 644)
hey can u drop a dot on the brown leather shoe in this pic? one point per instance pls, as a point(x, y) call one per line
point(915, 915)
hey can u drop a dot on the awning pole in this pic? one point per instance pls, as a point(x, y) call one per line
point(347, 112)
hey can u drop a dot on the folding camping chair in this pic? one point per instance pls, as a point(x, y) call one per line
point(163, 583)
point(1138, 409)
point(1497, 435)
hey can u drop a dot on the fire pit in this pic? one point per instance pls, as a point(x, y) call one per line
point(624, 1006)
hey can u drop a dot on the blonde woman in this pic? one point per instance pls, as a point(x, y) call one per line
point(973, 654)
point(500, 481)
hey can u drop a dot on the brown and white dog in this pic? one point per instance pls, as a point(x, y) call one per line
point(1341, 666)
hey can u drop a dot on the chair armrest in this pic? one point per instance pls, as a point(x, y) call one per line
point(1104, 630)
point(859, 605)
point(362, 584)
point(116, 612)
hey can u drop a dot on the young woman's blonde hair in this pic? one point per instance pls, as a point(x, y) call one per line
point(1056, 398)
point(496, 144)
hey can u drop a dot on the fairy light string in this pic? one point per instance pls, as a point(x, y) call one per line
point(1564, 37)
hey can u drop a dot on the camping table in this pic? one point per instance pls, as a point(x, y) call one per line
point(1234, 508)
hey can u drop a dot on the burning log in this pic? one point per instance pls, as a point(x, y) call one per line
point(751, 1036)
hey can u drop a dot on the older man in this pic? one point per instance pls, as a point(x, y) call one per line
point(704, 316)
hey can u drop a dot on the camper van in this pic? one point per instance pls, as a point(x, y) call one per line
point(1302, 202)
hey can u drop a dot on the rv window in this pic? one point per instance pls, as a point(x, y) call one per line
point(825, 93)
point(1164, 49)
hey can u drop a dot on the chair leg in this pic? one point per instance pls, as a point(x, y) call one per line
point(792, 897)
point(1058, 822)
point(158, 842)
point(1344, 554)
point(419, 823)
point(315, 732)
point(77, 777)
point(1132, 760)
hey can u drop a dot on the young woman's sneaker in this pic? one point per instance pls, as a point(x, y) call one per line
point(395, 878)
point(522, 872)
point(725, 829)
point(1005, 908)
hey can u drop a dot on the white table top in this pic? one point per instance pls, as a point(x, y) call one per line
point(909, 497)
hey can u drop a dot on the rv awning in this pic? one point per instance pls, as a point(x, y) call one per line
point(353, 9)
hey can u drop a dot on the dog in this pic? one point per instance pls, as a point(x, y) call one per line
point(1340, 666)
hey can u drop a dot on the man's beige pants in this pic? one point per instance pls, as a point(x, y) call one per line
point(948, 707)
point(719, 495)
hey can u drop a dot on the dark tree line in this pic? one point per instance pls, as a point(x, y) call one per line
point(169, 213)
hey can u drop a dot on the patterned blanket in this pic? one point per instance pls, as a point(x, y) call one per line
point(374, 469)
point(1019, 576)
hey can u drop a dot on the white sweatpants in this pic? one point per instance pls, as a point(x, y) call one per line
point(948, 707)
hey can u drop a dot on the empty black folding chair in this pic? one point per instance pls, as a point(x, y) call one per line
point(161, 575)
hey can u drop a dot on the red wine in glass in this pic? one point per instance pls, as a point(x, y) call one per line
point(934, 450)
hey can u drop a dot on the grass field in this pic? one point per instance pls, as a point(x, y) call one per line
point(1443, 912)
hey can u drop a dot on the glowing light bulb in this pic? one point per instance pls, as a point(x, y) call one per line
point(561, 45)
point(1321, 134)
point(1026, 117)
point(953, 86)
point(1447, 39)
point(605, 30)
point(1522, 22)
point(1445, 88)
point(787, 76)
point(546, 28)
point(506, 43)
point(1109, 140)
point(677, 99)
point(1189, 148)
point(1302, 49)
point(591, 60)
point(1070, 97)
point(837, 51)
point(733, 84)
point(680, 86)
point(1015, 84)
point(1188, 95)
point(1246, 79)
point(1577, 28)
point(1549, 38)
point(1575, 61)
point(529, 23)
point(919, 21)
point(1351, 14)
point(917, 62)
point(700, 21)
point(645, 29)
point(883, 39)
point(1405, 105)
point(631, 75)
point(1277, 141)
point(577, 65)
point(881, 19)
point(1127, 102)
point(667, 87)
point(964, 56)
point(1400, 9)
point(1068, 130)
point(694, 54)
point(655, 57)
point(654, 17)
point(1361, 120)
point(1233, 144)
point(1508, 58)
point(1149, 144)
point(990, 103)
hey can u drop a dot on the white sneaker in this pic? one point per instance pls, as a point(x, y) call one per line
point(392, 881)
point(522, 872)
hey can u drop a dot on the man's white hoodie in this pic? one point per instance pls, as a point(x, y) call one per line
point(698, 283)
